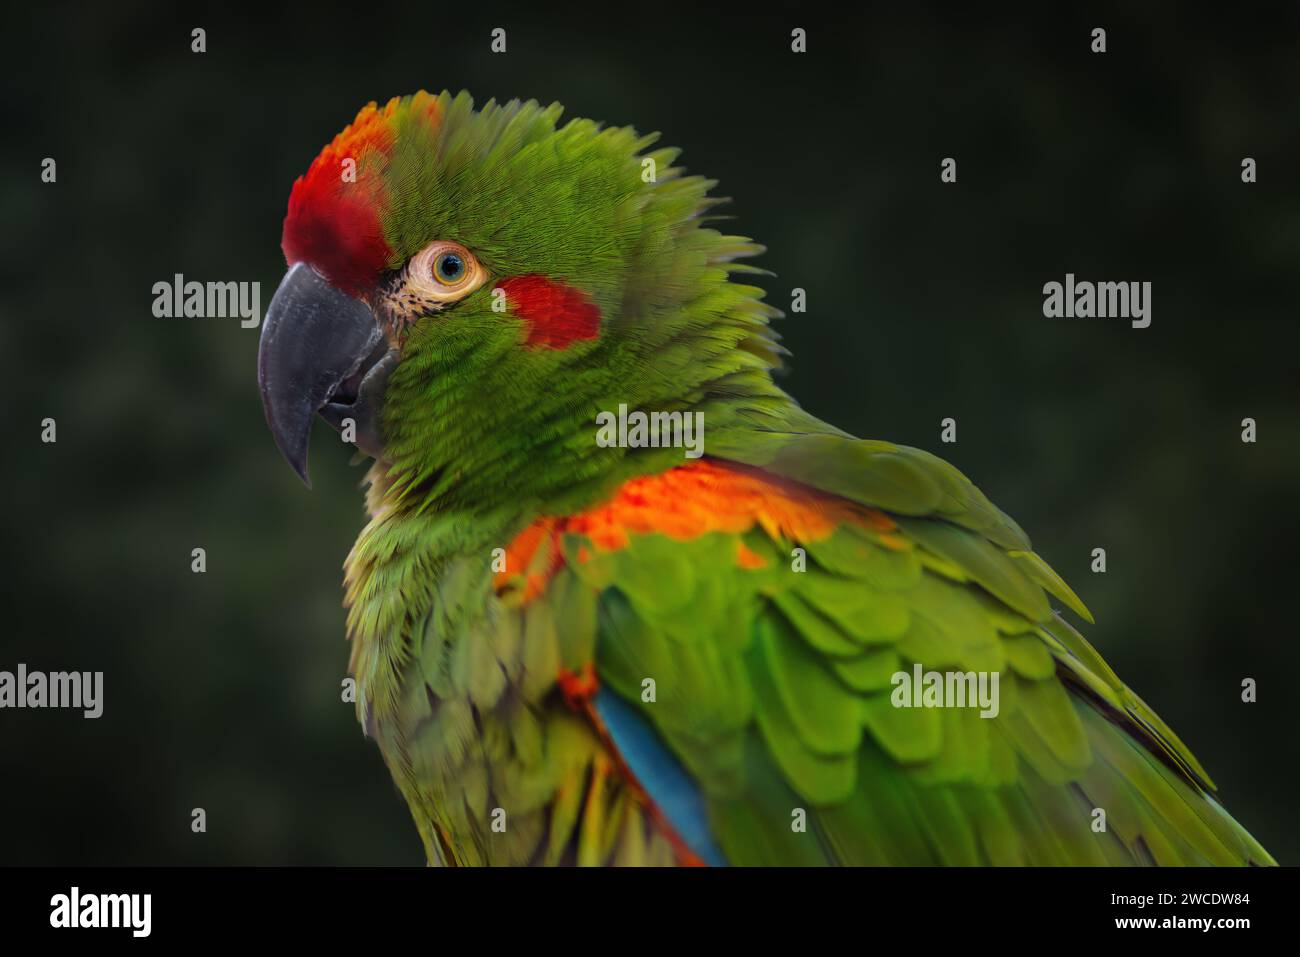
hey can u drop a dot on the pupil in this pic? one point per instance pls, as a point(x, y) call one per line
point(450, 266)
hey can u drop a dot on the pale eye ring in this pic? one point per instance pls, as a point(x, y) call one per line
point(444, 271)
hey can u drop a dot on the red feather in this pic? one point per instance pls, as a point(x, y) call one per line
point(333, 224)
point(557, 315)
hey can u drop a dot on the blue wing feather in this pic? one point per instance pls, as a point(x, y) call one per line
point(666, 782)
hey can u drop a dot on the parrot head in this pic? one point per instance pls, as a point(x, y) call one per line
point(468, 288)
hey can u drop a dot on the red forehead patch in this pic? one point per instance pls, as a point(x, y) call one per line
point(557, 315)
point(333, 221)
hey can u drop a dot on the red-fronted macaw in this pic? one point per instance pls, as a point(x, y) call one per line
point(620, 599)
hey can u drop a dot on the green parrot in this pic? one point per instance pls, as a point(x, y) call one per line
point(620, 600)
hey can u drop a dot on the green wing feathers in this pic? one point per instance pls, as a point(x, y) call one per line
point(774, 688)
point(772, 656)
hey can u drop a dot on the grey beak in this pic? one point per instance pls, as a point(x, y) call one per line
point(320, 347)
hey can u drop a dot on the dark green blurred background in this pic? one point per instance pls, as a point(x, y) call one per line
point(222, 690)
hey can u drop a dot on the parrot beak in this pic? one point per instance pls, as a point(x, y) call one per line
point(321, 351)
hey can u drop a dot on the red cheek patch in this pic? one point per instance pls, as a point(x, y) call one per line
point(557, 315)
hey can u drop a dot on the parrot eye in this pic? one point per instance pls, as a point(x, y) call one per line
point(449, 268)
point(443, 272)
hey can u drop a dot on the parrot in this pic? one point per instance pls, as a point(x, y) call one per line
point(620, 600)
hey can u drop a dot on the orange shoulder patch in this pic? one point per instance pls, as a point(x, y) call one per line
point(683, 503)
